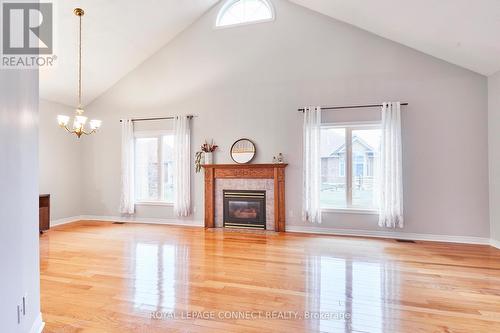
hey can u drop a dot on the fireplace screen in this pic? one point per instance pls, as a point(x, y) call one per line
point(245, 209)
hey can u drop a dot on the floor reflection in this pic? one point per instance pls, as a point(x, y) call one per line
point(158, 270)
point(102, 277)
point(345, 295)
point(366, 297)
point(146, 275)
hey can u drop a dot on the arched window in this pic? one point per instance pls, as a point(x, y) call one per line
point(235, 12)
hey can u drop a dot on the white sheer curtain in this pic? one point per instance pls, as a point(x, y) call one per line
point(311, 211)
point(391, 169)
point(127, 202)
point(182, 166)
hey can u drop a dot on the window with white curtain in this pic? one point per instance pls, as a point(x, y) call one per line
point(350, 160)
point(154, 153)
point(236, 12)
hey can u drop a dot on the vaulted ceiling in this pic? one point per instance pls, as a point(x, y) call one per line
point(463, 32)
point(118, 35)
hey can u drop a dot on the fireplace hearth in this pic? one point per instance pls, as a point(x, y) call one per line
point(244, 209)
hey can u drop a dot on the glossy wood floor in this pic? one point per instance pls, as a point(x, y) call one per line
point(103, 277)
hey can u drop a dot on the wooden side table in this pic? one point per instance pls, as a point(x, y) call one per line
point(44, 212)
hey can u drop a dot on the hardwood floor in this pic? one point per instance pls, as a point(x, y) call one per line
point(104, 277)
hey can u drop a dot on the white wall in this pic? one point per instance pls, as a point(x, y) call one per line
point(60, 162)
point(19, 252)
point(248, 82)
point(494, 153)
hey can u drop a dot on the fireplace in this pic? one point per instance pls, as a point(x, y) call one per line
point(218, 178)
point(244, 209)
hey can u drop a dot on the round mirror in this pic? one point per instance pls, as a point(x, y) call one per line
point(243, 151)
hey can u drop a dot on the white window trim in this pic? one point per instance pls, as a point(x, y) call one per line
point(158, 135)
point(350, 126)
point(154, 203)
point(229, 3)
point(364, 124)
point(151, 134)
point(350, 211)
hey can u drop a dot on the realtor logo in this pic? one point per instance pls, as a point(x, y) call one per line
point(27, 34)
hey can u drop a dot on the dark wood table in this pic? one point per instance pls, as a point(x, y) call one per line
point(44, 212)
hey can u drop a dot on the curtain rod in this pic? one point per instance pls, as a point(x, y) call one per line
point(157, 118)
point(349, 107)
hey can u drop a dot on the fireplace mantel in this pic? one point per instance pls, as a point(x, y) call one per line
point(246, 171)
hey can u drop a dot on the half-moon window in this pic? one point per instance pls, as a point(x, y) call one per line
point(235, 12)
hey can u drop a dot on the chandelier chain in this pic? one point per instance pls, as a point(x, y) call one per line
point(80, 63)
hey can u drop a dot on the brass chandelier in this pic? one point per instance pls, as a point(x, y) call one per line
point(80, 120)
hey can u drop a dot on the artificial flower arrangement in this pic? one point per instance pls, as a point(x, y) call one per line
point(209, 147)
point(206, 150)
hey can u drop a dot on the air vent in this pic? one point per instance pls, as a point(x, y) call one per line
point(404, 241)
point(118, 222)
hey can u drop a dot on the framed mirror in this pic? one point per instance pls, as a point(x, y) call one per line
point(243, 151)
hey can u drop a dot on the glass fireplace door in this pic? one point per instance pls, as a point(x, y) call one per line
point(245, 209)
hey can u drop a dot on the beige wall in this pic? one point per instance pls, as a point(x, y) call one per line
point(60, 162)
point(494, 153)
point(248, 82)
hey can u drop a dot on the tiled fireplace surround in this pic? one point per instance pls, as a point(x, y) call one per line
point(268, 177)
point(244, 184)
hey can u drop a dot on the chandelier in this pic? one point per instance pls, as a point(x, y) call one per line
point(80, 120)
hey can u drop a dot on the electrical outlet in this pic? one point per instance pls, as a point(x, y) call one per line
point(24, 304)
point(21, 310)
point(290, 213)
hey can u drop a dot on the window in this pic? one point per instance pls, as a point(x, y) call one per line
point(349, 165)
point(342, 165)
point(235, 12)
point(154, 167)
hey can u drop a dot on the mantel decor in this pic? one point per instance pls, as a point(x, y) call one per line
point(207, 153)
point(243, 151)
point(246, 171)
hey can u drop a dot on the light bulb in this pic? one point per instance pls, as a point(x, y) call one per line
point(62, 120)
point(95, 124)
point(81, 119)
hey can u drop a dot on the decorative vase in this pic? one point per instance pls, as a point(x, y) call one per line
point(209, 158)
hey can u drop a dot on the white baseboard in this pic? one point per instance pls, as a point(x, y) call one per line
point(297, 229)
point(148, 220)
point(495, 243)
point(65, 220)
point(390, 234)
point(38, 325)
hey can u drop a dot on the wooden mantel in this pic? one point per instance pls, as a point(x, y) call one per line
point(246, 171)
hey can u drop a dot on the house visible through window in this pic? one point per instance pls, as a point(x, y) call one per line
point(342, 165)
point(349, 166)
point(154, 167)
point(235, 12)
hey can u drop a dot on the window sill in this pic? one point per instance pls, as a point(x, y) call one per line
point(154, 203)
point(242, 24)
point(349, 211)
